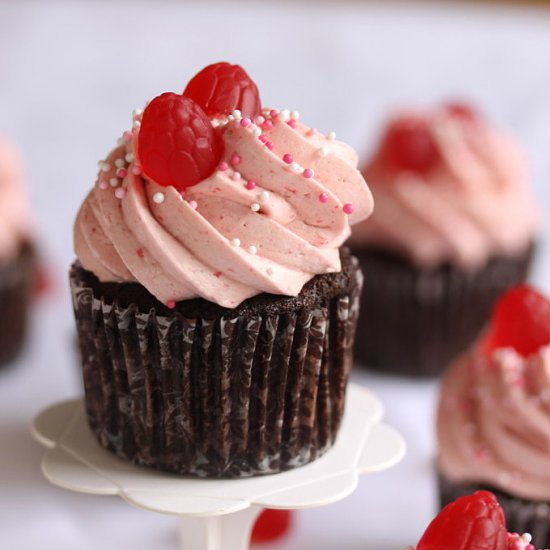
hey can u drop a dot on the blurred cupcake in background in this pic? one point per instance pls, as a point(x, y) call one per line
point(454, 225)
point(493, 420)
point(17, 257)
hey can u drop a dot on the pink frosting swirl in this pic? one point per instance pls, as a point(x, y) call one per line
point(257, 224)
point(15, 226)
point(493, 422)
point(474, 203)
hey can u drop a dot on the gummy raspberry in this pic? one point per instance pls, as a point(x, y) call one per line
point(176, 144)
point(520, 320)
point(473, 522)
point(221, 88)
point(271, 525)
point(408, 145)
point(461, 110)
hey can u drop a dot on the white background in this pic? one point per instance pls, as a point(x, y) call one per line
point(70, 75)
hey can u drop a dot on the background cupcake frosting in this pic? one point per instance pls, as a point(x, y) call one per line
point(15, 224)
point(475, 202)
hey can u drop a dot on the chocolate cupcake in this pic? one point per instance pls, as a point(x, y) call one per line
point(215, 311)
point(17, 257)
point(454, 226)
point(493, 420)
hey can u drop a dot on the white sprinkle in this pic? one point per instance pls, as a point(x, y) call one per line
point(236, 242)
point(137, 112)
point(252, 249)
point(129, 157)
point(236, 176)
point(294, 115)
point(158, 197)
point(215, 123)
point(331, 136)
point(230, 117)
point(105, 166)
point(120, 193)
point(120, 141)
point(100, 163)
point(114, 182)
point(270, 271)
point(295, 167)
point(259, 120)
point(284, 115)
point(136, 124)
point(119, 163)
point(323, 151)
point(257, 132)
point(236, 114)
point(526, 537)
point(193, 204)
point(255, 207)
point(264, 195)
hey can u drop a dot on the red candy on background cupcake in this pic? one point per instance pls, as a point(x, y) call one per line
point(17, 255)
point(493, 420)
point(454, 226)
point(215, 306)
point(472, 522)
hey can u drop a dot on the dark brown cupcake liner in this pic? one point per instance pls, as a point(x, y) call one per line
point(16, 290)
point(414, 322)
point(228, 395)
point(522, 516)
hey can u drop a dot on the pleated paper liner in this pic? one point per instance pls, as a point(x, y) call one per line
point(522, 516)
point(17, 279)
point(414, 322)
point(226, 395)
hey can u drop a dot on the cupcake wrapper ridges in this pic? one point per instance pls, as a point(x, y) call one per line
point(224, 396)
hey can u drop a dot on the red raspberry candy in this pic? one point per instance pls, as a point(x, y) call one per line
point(521, 320)
point(461, 110)
point(271, 525)
point(221, 88)
point(408, 145)
point(473, 522)
point(176, 144)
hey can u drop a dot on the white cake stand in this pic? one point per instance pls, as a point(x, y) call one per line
point(217, 514)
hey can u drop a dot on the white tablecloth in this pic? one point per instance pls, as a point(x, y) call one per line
point(70, 75)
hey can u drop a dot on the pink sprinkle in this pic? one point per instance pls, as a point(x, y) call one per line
point(103, 185)
point(267, 125)
point(120, 193)
point(218, 273)
point(193, 204)
point(245, 122)
point(288, 158)
point(348, 208)
point(127, 136)
point(269, 145)
point(274, 113)
point(311, 132)
point(136, 170)
point(259, 120)
point(236, 176)
point(223, 166)
point(263, 138)
point(171, 304)
point(291, 123)
point(250, 184)
point(235, 159)
point(122, 172)
point(323, 197)
point(308, 173)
